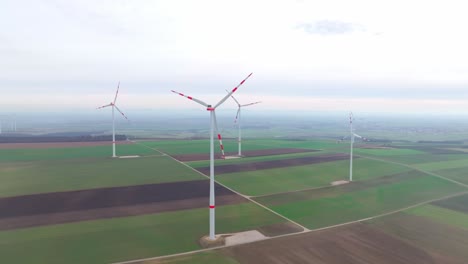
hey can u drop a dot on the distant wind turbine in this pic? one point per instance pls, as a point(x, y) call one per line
point(351, 118)
point(238, 121)
point(113, 105)
point(213, 126)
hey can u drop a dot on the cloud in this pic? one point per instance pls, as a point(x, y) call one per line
point(330, 27)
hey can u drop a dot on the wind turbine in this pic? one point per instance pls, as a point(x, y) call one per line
point(238, 120)
point(351, 118)
point(213, 126)
point(114, 106)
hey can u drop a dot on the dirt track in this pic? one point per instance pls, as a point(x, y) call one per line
point(356, 244)
point(249, 153)
point(272, 164)
point(59, 144)
point(61, 207)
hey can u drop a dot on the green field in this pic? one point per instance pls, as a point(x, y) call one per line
point(126, 238)
point(7, 155)
point(263, 182)
point(177, 147)
point(20, 178)
point(348, 205)
point(379, 187)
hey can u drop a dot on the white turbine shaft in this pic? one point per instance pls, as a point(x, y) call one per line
point(351, 150)
point(239, 141)
point(113, 132)
point(212, 191)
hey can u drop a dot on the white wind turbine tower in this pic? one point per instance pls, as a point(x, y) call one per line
point(114, 106)
point(351, 118)
point(238, 121)
point(213, 125)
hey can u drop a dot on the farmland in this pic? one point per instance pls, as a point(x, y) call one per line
point(80, 200)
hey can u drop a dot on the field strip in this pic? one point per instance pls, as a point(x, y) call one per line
point(296, 234)
point(414, 168)
point(295, 191)
point(246, 197)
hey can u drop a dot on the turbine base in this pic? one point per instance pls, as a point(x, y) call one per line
point(206, 242)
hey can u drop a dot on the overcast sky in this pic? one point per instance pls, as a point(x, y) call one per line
point(371, 55)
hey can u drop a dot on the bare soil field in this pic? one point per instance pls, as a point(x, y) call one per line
point(62, 207)
point(273, 164)
point(249, 153)
point(459, 203)
point(59, 144)
point(355, 244)
point(447, 243)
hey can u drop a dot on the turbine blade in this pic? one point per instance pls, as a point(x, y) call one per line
point(251, 104)
point(237, 115)
point(356, 135)
point(121, 112)
point(191, 98)
point(117, 92)
point(221, 146)
point(104, 106)
point(231, 92)
point(234, 98)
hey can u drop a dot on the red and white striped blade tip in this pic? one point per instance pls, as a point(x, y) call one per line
point(232, 91)
point(191, 98)
point(103, 106)
point(237, 102)
point(117, 92)
point(120, 111)
point(251, 103)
